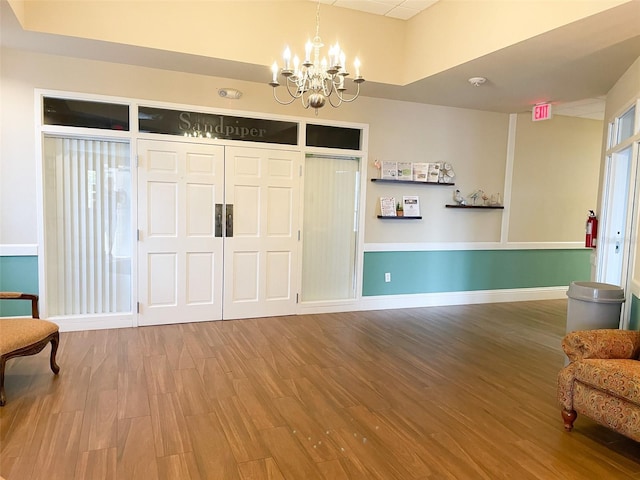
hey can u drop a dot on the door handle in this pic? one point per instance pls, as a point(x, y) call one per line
point(229, 220)
point(218, 220)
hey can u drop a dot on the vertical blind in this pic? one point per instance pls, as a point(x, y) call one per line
point(330, 227)
point(88, 234)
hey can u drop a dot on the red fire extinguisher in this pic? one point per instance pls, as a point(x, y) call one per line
point(592, 230)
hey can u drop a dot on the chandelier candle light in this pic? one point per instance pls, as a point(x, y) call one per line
point(316, 80)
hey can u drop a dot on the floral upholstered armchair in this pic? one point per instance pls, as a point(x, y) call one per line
point(602, 380)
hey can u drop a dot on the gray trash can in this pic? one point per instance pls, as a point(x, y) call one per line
point(593, 305)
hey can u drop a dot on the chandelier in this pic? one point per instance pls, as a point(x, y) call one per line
point(314, 80)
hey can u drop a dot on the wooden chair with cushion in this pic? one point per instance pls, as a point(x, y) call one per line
point(25, 336)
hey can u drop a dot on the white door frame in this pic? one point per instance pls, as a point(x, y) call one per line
point(608, 240)
point(133, 135)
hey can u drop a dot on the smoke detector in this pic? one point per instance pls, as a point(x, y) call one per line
point(477, 81)
point(230, 93)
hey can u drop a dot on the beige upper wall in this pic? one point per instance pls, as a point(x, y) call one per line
point(625, 91)
point(453, 32)
point(243, 31)
point(474, 142)
point(393, 51)
point(555, 178)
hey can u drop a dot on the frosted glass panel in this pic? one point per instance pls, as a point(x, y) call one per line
point(330, 228)
point(626, 125)
point(88, 235)
point(613, 234)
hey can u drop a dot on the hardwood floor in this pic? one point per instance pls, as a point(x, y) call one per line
point(460, 392)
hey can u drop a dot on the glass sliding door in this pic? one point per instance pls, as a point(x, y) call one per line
point(617, 255)
point(330, 227)
point(614, 238)
point(87, 219)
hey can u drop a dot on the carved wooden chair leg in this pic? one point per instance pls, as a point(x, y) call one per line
point(568, 417)
point(55, 340)
point(3, 399)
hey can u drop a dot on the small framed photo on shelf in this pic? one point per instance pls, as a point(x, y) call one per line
point(388, 206)
point(411, 205)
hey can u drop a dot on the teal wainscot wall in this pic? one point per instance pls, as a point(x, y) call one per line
point(18, 274)
point(416, 272)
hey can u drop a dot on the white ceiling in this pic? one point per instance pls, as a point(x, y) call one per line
point(592, 108)
point(403, 10)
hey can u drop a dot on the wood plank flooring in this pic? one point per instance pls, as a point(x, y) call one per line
point(459, 392)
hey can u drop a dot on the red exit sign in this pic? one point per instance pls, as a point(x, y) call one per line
point(541, 111)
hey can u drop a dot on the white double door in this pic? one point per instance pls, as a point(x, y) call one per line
point(218, 232)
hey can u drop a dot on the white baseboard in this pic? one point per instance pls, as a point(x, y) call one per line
point(328, 307)
point(382, 302)
point(77, 324)
point(461, 298)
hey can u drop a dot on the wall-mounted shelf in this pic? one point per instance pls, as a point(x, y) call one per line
point(399, 218)
point(494, 207)
point(384, 180)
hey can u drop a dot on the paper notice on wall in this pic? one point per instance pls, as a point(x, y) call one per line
point(405, 171)
point(434, 173)
point(389, 170)
point(388, 206)
point(420, 171)
point(411, 206)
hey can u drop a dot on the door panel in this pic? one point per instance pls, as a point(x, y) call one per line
point(162, 280)
point(200, 266)
point(261, 257)
point(613, 237)
point(278, 284)
point(246, 218)
point(245, 272)
point(163, 214)
point(180, 258)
